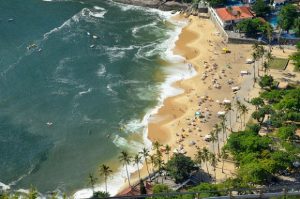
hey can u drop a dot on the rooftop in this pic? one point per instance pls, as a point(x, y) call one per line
point(234, 12)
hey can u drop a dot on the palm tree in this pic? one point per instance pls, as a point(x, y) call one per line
point(224, 156)
point(213, 163)
point(255, 57)
point(33, 193)
point(137, 161)
point(156, 146)
point(244, 111)
point(238, 108)
point(152, 160)
point(217, 131)
point(228, 109)
point(125, 158)
point(260, 52)
point(266, 67)
point(105, 171)
point(168, 149)
point(145, 154)
point(206, 157)
point(92, 181)
point(159, 164)
point(255, 47)
point(213, 139)
point(269, 56)
point(269, 35)
point(199, 157)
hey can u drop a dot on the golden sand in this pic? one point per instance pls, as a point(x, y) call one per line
point(200, 43)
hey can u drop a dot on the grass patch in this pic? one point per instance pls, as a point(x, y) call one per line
point(279, 63)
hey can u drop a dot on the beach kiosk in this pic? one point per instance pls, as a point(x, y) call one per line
point(226, 101)
point(221, 113)
point(235, 88)
point(249, 61)
point(244, 72)
point(207, 138)
point(197, 114)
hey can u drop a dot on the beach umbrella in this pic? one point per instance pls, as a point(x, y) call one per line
point(220, 113)
point(226, 101)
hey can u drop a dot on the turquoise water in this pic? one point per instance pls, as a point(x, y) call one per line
point(92, 77)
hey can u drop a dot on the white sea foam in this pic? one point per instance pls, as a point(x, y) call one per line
point(73, 19)
point(136, 29)
point(101, 71)
point(115, 182)
point(98, 8)
point(4, 186)
point(116, 53)
point(97, 13)
point(126, 7)
point(85, 92)
point(110, 90)
point(176, 72)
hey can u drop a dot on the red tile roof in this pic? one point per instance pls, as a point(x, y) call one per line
point(227, 15)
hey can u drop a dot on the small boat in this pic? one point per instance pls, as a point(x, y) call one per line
point(40, 49)
point(49, 123)
point(11, 19)
point(95, 37)
point(31, 46)
point(92, 46)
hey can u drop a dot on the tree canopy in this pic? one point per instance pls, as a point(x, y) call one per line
point(261, 158)
point(253, 27)
point(261, 8)
point(180, 167)
point(287, 16)
point(266, 81)
point(296, 57)
point(215, 3)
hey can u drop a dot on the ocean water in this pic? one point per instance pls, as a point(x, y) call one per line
point(83, 92)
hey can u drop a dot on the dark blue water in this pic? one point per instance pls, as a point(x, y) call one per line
point(66, 103)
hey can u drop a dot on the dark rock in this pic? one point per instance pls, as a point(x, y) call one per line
point(162, 5)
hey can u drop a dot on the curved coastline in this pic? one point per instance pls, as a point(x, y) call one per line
point(176, 70)
point(199, 43)
point(164, 112)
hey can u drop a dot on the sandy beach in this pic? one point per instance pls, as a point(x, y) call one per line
point(217, 72)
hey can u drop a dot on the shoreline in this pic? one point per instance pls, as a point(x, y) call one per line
point(198, 42)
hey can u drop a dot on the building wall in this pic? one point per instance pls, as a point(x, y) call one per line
point(214, 18)
point(217, 18)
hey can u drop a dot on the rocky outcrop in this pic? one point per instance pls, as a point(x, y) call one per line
point(162, 5)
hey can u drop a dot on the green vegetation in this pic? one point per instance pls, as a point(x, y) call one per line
point(161, 188)
point(215, 3)
point(261, 158)
point(253, 27)
point(266, 82)
point(105, 171)
point(279, 63)
point(179, 167)
point(297, 26)
point(142, 188)
point(287, 17)
point(261, 8)
point(296, 57)
point(100, 194)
